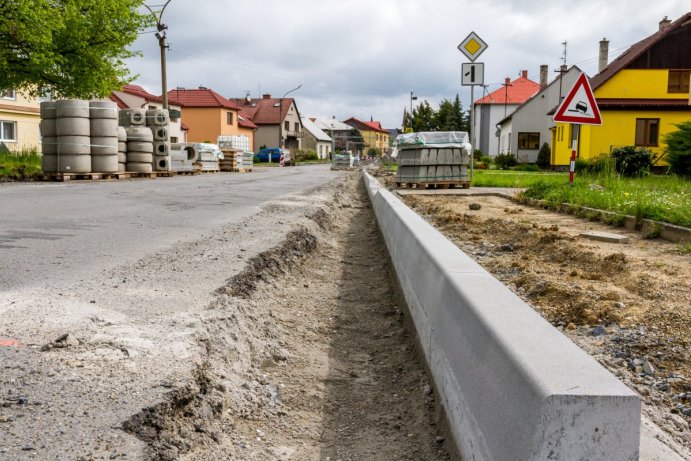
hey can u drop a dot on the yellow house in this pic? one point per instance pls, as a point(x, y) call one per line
point(373, 135)
point(19, 121)
point(208, 115)
point(642, 95)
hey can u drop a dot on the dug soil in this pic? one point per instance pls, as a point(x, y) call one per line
point(629, 305)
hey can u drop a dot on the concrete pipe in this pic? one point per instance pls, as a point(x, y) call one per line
point(122, 134)
point(48, 110)
point(132, 117)
point(104, 145)
point(160, 133)
point(139, 157)
point(49, 145)
point(49, 127)
point(104, 163)
point(122, 147)
point(139, 167)
point(103, 110)
point(104, 127)
point(162, 148)
point(122, 157)
point(73, 126)
point(74, 163)
point(163, 164)
point(178, 155)
point(158, 117)
point(139, 133)
point(49, 163)
point(74, 108)
point(74, 145)
point(138, 146)
point(122, 167)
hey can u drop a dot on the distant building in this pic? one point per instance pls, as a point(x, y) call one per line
point(316, 139)
point(19, 121)
point(136, 97)
point(336, 129)
point(373, 135)
point(491, 109)
point(277, 120)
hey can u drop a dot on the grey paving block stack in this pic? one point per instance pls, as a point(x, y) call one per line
point(103, 121)
point(73, 136)
point(158, 121)
point(432, 165)
point(122, 149)
point(49, 137)
point(140, 148)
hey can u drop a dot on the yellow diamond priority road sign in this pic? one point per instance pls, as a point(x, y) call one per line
point(472, 46)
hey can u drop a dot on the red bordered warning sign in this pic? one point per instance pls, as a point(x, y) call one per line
point(579, 106)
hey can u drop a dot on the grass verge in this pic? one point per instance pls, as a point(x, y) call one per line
point(19, 165)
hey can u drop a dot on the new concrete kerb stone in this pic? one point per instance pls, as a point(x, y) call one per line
point(512, 386)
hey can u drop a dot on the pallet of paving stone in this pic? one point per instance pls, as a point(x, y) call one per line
point(64, 177)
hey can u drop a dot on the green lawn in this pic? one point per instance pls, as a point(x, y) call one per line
point(508, 178)
point(18, 165)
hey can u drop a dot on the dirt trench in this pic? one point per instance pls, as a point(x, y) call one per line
point(307, 356)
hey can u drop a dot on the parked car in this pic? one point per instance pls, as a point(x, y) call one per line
point(274, 153)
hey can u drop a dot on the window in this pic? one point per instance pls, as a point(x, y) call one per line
point(647, 130)
point(529, 141)
point(153, 107)
point(229, 118)
point(9, 94)
point(8, 131)
point(286, 125)
point(297, 126)
point(678, 81)
point(173, 139)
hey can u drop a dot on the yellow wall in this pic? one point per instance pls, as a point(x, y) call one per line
point(619, 127)
point(25, 112)
point(208, 123)
point(375, 139)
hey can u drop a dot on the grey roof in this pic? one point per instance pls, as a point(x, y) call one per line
point(328, 124)
point(310, 126)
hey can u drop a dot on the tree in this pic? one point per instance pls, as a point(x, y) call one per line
point(355, 140)
point(423, 117)
point(544, 156)
point(68, 48)
point(678, 150)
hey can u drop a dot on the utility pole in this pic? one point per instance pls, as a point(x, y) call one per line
point(280, 121)
point(506, 85)
point(161, 36)
point(412, 98)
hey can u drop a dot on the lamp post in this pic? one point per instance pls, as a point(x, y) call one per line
point(280, 122)
point(412, 98)
point(161, 36)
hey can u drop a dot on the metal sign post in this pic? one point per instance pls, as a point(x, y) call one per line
point(472, 74)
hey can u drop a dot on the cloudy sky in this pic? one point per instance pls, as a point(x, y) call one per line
point(363, 58)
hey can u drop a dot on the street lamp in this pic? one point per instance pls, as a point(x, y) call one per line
point(412, 98)
point(161, 36)
point(280, 122)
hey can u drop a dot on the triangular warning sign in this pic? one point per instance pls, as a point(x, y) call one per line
point(579, 106)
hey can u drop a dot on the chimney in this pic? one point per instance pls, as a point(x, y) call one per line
point(266, 96)
point(604, 54)
point(665, 23)
point(507, 81)
point(544, 69)
point(524, 73)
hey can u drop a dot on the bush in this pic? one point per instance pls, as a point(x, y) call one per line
point(544, 156)
point(374, 152)
point(505, 161)
point(302, 155)
point(477, 155)
point(486, 159)
point(678, 150)
point(631, 161)
point(481, 166)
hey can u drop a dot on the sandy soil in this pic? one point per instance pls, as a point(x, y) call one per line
point(629, 305)
point(298, 352)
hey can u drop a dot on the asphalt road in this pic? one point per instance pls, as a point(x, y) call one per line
point(59, 233)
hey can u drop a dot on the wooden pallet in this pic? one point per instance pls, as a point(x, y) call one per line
point(151, 175)
point(165, 174)
point(435, 185)
point(208, 171)
point(187, 173)
point(64, 177)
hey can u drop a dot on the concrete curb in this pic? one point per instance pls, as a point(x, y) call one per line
point(512, 386)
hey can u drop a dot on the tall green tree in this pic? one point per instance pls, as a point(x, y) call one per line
point(69, 48)
point(423, 117)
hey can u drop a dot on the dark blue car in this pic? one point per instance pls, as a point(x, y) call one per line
point(275, 153)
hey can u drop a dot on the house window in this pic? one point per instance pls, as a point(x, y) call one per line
point(9, 94)
point(8, 131)
point(647, 130)
point(678, 81)
point(286, 125)
point(297, 126)
point(229, 118)
point(153, 107)
point(529, 141)
point(173, 139)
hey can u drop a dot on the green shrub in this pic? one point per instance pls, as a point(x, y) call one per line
point(544, 156)
point(678, 150)
point(603, 163)
point(477, 155)
point(505, 161)
point(631, 161)
point(582, 165)
point(302, 155)
point(486, 159)
point(481, 166)
point(374, 152)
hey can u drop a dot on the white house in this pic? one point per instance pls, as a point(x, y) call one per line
point(316, 139)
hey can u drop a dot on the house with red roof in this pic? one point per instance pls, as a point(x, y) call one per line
point(373, 135)
point(136, 97)
point(494, 107)
point(642, 96)
point(209, 115)
point(277, 120)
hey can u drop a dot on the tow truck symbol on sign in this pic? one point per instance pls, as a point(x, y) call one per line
point(581, 108)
